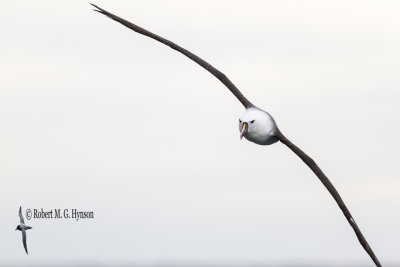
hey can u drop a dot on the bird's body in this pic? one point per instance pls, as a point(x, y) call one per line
point(255, 125)
point(23, 228)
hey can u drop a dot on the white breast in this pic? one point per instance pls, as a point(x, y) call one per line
point(262, 130)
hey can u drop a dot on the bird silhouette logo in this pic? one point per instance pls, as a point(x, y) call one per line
point(22, 227)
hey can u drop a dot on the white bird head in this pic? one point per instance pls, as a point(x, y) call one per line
point(258, 127)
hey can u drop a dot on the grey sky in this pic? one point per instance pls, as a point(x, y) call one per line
point(96, 117)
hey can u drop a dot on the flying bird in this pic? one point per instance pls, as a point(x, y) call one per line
point(255, 125)
point(22, 227)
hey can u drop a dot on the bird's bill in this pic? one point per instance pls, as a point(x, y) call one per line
point(244, 129)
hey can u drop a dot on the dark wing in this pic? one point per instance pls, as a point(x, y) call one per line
point(322, 177)
point(21, 218)
point(219, 75)
point(24, 240)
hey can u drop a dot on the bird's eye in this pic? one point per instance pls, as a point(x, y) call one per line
point(252, 121)
point(240, 121)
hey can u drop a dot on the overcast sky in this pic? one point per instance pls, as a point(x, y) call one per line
point(96, 117)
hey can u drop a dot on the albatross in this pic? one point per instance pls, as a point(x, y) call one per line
point(256, 125)
point(22, 227)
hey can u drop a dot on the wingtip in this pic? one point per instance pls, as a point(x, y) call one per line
point(100, 10)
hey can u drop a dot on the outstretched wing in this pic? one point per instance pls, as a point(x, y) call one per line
point(332, 190)
point(21, 218)
point(24, 240)
point(219, 75)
